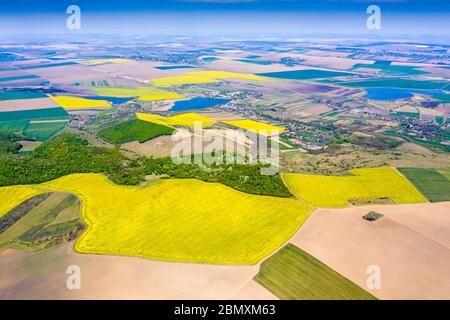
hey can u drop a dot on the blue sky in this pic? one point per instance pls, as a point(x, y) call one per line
point(227, 17)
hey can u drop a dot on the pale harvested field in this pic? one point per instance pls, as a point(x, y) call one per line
point(227, 64)
point(329, 62)
point(437, 70)
point(32, 62)
point(293, 87)
point(413, 148)
point(158, 147)
point(22, 82)
point(43, 276)
point(377, 110)
point(426, 111)
point(71, 73)
point(140, 70)
point(253, 291)
point(410, 244)
point(219, 116)
point(13, 73)
point(319, 53)
point(406, 108)
point(313, 110)
point(27, 104)
point(162, 146)
point(29, 145)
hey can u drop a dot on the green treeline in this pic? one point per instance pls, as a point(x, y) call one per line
point(69, 153)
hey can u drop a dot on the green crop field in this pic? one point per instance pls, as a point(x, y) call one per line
point(13, 126)
point(293, 274)
point(446, 173)
point(390, 69)
point(18, 95)
point(43, 130)
point(134, 130)
point(433, 184)
point(36, 114)
point(15, 78)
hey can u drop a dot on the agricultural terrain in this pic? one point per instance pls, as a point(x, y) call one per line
point(434, 185)
point(99, 167)
point(293, 274)
point(162, 225)
point(367, 186)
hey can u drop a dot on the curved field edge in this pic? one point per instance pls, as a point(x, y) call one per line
point(212, 254)
point(365, 184)
point(41, 222)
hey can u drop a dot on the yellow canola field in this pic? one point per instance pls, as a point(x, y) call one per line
point(185, 119)
point(144, 93)
point(67, 102)
point(96, 62)
point(11, 197)
point(196, 77)
point(366, 184)
point(181, 220)
point(255, 126)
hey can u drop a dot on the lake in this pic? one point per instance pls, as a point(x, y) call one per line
point(389, 94)
point(198, 103)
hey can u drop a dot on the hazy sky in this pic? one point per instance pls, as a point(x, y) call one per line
point(227, 17)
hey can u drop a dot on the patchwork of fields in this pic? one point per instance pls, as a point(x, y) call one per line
point(181, 220)
point(96, 62)
point(255, 126)
point(293, 274)
point(143, 93)
point(67, 102)
point(117, 193)
point(185, 119)
point(433, 185)
point(197, 77)
point(371, 185)
point(34, 114)
point(410, 244)
point(43, 130)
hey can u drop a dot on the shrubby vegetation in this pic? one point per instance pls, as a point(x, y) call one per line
point(63, 155)
point(9, 143)
point(378, 142)
point(68, 154)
